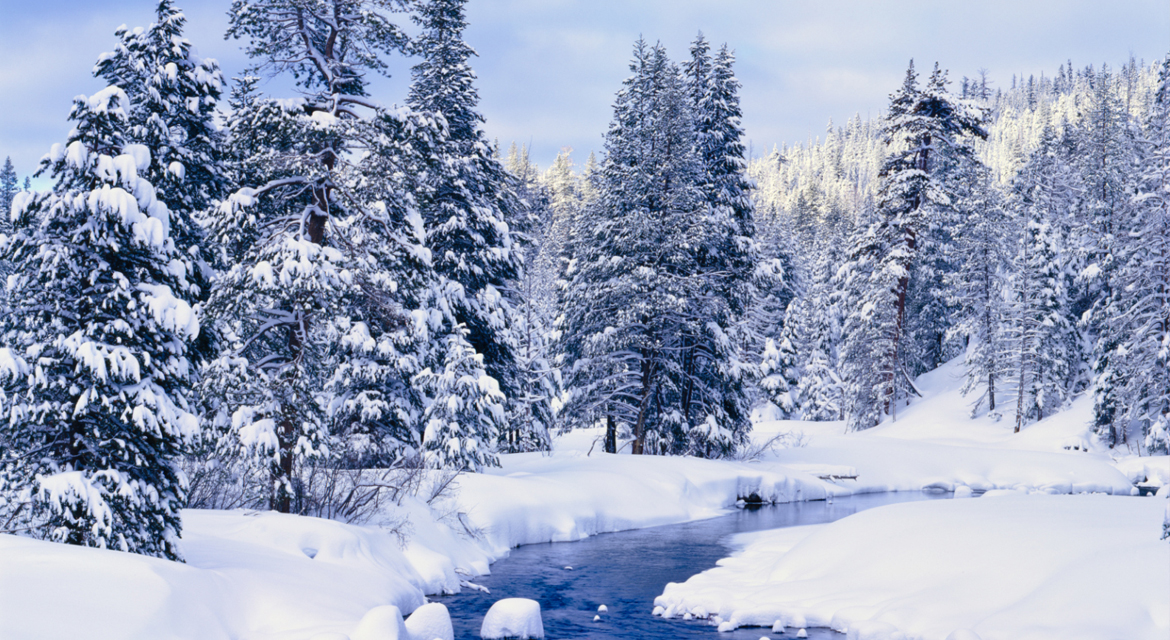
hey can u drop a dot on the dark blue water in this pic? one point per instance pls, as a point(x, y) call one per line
point(626, 571)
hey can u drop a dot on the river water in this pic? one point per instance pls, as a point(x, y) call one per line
point(625, 571)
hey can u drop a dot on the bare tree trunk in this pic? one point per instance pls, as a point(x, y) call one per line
point(610, 435)
point(644, 407)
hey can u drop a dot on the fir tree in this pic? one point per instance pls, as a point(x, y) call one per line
point(1043, 336)
point(96, 370)
point(636, 293)
point(1138, 377)
point(977, 288)
point(174, 94)
point(470, 208)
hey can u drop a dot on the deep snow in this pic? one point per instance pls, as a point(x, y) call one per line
point(266, 575)
point(1005, 568)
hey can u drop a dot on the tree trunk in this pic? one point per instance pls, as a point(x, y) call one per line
point(610, 435)
point(644, 407)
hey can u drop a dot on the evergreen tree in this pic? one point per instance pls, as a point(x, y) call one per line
point(1138, 377)
point(889, 280)
point(96, 371)
point(1043, 336)
point(977, 288)
point(306, 302)
point(470, 208)
point(727, 255)
point(9, 187)
point(635, 289)
point(174, 94)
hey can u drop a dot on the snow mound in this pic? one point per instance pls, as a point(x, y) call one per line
point(1080, 567)
point(430, 622)
point(382, 623)
point(513, 618)
point(936, 445)
point(248, 574)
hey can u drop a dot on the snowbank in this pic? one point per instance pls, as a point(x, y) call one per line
point(249, 574)
point(1013, 568)
point(569, 495)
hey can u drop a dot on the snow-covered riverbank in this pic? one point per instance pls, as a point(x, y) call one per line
point(1005, 567)
point(272, 576)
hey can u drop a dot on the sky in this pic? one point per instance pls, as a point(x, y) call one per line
point(548, 69)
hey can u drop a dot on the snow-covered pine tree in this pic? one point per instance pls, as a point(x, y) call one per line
point(887, 277)
point(530, 419)
point(978, 288)
point(297, 239)
point(715, 372)
point(819, 387)
point(1139, 318)
point(1102, 147)
point(95, 370)
point(469, 207)
point(9, 187)
point(1042, 337)
point(632, 281)
point(174, 94)
point(467, 409)
point(779, 375)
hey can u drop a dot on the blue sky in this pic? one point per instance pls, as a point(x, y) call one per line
point(548, 69)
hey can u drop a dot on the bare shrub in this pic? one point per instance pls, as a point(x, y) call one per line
point(753, 451)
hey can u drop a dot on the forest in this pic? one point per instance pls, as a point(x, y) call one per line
point(234, 300)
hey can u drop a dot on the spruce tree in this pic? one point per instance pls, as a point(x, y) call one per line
point(174, 94)
point(96, 370)
point(1138, 376)
point(978, 288)
point(470, 210)
point(635, 290)
point(1043, 336)
point(727, 253)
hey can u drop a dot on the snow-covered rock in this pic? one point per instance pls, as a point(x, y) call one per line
point(431, 621)
point(513, 618)
point(382, 623)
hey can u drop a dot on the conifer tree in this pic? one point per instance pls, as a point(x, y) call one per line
point(312, 312)
point(1043, 337)
point(713, 366)
point(174, 94)
point(977, 288)
point(925, 131)
point(1138, 318)
point(96, 368)
point(9, 187)
point(636, 292)
point(470, 209)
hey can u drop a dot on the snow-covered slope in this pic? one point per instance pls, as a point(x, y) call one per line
point(936, 444)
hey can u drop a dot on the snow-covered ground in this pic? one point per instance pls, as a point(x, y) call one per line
point(1003, 568)
point(936, 444)
point(271, 576)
